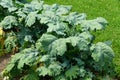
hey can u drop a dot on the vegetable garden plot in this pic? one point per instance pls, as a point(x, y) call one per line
point(53, 43)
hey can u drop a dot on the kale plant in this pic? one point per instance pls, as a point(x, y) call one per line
point(53, 43)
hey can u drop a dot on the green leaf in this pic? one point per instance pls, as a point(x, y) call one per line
point(8, 4)
point(55, 68)
point(38, 5)
point(25, 1)
point(45, 58)
point(80, 42)
point(63, 10)
point(86, 35)
point(52, 8)
point(10, 43)
point(48, 17)
point(102, 52)
point(58, 9)
point(60, 77)
point(13, 62)
point(72, 73)
point(43, 71)
point(109, 43)
point(101, 20)
point(83, 44)
point(54, 47)
point(96, 24)
point(59, 28)
point(74, 18)
point(30, 19)
point(9, 67)
point(11, 9)
point(82, 72)
point(31, 76)
point(21, 14)
point(57, 48)
point(9, 22)
point(26, 57)
point(79, 61)
point(34, 6)
point(66, 63)
point(73, 40)
point(45, 41)
point(29, 57)
point(28, 38)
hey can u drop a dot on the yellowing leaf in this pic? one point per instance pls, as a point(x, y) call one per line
point(1, 41)
point(1, 32)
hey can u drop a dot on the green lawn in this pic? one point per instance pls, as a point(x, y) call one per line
point(109, 9)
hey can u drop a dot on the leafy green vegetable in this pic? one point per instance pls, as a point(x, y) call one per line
point(44, 71)
point(31, 76)
point(30, 19)
point(95, 24)
point(8, 4)
point(74, 18)
point(103, 55)
point(33, 6)
point(72, 73)
point(9, 22)
point(53, 43)
point(10, 42)
point(59, 28)
point(101, 51)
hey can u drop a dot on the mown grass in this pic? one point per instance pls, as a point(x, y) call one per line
point(110, 10)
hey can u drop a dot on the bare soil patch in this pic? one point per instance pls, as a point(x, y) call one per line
point(3, 62)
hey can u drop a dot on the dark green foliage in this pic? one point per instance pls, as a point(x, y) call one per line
point(53, 43)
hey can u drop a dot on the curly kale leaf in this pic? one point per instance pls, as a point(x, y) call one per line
point(33, 6)
point(102, 52)
point(53, 45)
point(8, 4)
point(26, 57)
point(30, 19)
point(103, 56)
point(96, 24)
point(74, 18)
point(9, 22)
point(72, 73)
point(58, 9)
point(59, 28)
point(31, 76)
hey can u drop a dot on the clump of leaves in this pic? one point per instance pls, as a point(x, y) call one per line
point(54, 43)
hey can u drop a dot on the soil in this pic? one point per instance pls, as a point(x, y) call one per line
point(3, 62)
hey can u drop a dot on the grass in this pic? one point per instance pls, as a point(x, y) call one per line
point(110, 10)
